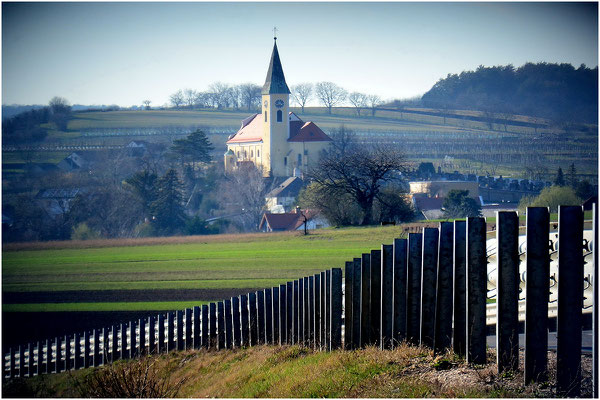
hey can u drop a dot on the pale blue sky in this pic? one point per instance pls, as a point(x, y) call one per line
point(123, 53)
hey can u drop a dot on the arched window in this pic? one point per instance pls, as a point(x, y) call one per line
point(299, 160)
point(238, 154)
point(257, 153)
point(265, 116)
point(279, 115)
point(251, 153)
point(284, 160)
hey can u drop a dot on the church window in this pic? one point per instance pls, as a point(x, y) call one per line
point(299, 160)
point(265, 116)
point(284, 160)
point(238, 154)
point(279, 115)
point(251, 153)
point(257, 153)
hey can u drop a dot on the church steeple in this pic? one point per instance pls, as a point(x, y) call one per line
point(275, 82)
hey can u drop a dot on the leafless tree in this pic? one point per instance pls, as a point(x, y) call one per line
point(177, 98)
point(220, 94)
point(301, 93)
point(362, 173)
point(250, 95)
point(374, 102)
point(146, 104)
point(234, 94)
point(190, 97)
point(343, 140)
point(201, 100)
point(329, 94)
point(59, 105)
point(358, 100)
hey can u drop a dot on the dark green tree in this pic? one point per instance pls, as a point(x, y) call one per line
point(572, 176)
point(143, 184)
point(458, 204)
point(425, 168)
point(195, 147)
point(560, 178)
point(168, 216)
point(585, 190)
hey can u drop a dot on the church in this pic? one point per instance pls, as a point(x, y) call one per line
point(276, 141)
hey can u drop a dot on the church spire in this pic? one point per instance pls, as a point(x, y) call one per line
point(275, 82)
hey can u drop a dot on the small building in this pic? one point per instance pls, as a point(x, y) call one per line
point(282, 198)
point(441, 188)
point(73, 161)
point(57, 201)
point(136, 148)
point(429, 207)
point(292, 221)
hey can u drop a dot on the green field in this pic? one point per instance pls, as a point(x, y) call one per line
point(211, 262)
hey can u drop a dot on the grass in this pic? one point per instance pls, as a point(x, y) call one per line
point(298, 372)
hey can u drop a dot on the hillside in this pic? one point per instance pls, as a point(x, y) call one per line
point(298, 372)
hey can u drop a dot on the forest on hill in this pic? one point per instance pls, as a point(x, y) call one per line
point(559, 92)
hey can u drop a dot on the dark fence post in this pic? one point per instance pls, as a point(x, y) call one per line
point(443, 308)
point(365, 300)
point(323, 314)
point(399, 291)
point(142, 339)
point(275, 314)
point(86, 349)
point(105, 345)
point(212, 325)
point(47, 351)
point(336, 308)
point(152, 335)
point(204, 323)
point(596, 288)
point(56, 364)
point(375, 296)
point(570, 300)
point(268, 316)
point(22, 364)
point(476, 290)
point(289, 311)
point(386, 318)
point(507, 302)
point(235, 316)
point(348, 322)
point(328, 309)
point(311, 311)
point(161, 347)
point(189, 341)
point(356, 280)
point(114, 354)
point(77, 364)
point(197, 327)
point(228, 325)
point(244, 320)
point(12, 363)
point(260, 320)
point(460, 288)
point(306, 313)
point(300, 311)
point(317, 315)
point(253, 314)
point(413, 288)
point(97, 359)
point(68, 352)
point(124, 351)
point(283, 338)
point(170, 332)
point(132, 340)
point(537, 294)
point(31, 360)
point(428, 285)
point(220, 325)
point(40, 357)
point(295, 313)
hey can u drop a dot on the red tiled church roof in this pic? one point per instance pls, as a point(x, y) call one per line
point(308, 132)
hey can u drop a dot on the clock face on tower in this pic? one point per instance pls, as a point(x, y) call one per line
point(279, 103)
point(266, 103)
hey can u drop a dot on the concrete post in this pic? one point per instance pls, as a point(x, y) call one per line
point(295, 313)
point(311, 311)
point(328, 319)
point(348, 322)
point(537, 294)
point(22, 363)
point(365, 300)
point(476, 290)
point(31, 360)
point(245, 320)
point(300, 311)
point(275, 314)
point(124, 341)
point(40, 358)
point(336, 308)
point(570, 300)
point(459, 342)
point(105, 345)
point(443, 309)
point(212, 325)
point(356, 281)
point(162, 346)
point(260, 320)
point(317, 313)
point(47, 351)
point(132, 340)
point(400, 261)
point(237, 325)
point(289, 311)
point(375, 296)
point(114, 354)
point(189, 341)
point(97, 359)
point(57, 356)
point(507, 302)
point(268, 316)
point(220, 325)
point(152, 348)
point(413, 288)
point(428, 285)
point(323, 314)
point(305, 312)
point(196, 327)
point(170, 332)
point(13, 363)
point(68, 353)
point(77, 362)
point(386, 318)
point(228, 324)
point(204, 338)
point(283, 338)
point(253, 314)
point(86, 349)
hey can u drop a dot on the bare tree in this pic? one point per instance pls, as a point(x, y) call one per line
point(301, 93)
point(358, 100)
point(374, 102)
point(330, 94)
point(189, 97)
point(177, 98)
point(250, 95)
point(220, 94)
point(362, 173)
point(146, 104)
point(343, 140)
point(202, 99)
point(234, 93)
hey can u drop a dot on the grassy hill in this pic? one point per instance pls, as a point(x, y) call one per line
point(294, 372)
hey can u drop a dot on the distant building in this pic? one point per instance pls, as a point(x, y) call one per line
point(276, 140)
point(283, 197)
point(277, 222)
point(73, 161)
point(57, 201)
point(136, 148)
point(441, 188)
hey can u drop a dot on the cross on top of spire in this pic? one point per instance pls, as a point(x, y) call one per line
point(275, 33)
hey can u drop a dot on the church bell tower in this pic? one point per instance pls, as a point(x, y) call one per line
point(275, 115)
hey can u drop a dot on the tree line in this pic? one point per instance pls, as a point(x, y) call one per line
point(559, 92)
point(26, 127)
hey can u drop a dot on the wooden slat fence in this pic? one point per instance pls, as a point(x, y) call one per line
point(429, 289)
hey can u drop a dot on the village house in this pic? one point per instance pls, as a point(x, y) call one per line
point(276, 140)
point(292, 221)
point(283, 197)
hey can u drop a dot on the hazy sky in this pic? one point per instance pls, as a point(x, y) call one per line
point(123, 53)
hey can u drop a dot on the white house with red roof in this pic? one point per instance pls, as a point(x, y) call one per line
point(276, 140)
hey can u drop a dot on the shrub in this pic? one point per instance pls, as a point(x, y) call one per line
point(84, 232)
point(552, 197)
